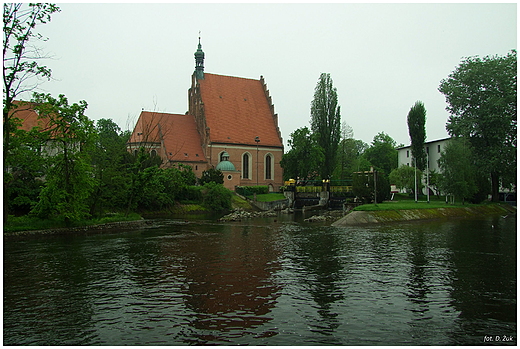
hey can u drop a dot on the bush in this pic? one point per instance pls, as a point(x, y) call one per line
point(212, 175)
point(191, 193)
point(216, 197)
point(251, 190)
point(363, 187)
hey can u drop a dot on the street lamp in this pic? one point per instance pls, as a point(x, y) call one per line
point(257, 140)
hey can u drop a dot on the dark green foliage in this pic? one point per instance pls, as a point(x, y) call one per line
point(363, 186)
point(404, 178)
point(303, 146)
point(212, 175)
point(416, 129)
point(350, 159)
point(22, 71)
point(27, 167)
point(482, 100)
point(191, 194)
point(109, 158)
point(458, 171)
point(216, 197)
point(326, 122)
point(382, 154)
point(70, 180)
point(251, 190)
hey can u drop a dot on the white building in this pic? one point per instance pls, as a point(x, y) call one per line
point(433, 149)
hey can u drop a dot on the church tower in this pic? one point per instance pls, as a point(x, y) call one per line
point(199, 62)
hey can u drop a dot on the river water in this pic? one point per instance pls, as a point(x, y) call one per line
point(266, 281)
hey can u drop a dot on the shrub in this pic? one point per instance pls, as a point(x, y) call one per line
point(216, 197)
point(363, 187)
point(251, 190)
point(212, 175)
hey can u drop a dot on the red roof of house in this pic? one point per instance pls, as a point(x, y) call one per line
point(28, 117)
point(237, 110)
point(179, 133)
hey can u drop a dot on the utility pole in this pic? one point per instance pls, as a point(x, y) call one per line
point(415, 173)
point(375, 187)
point(428, 176)
point(257, 140)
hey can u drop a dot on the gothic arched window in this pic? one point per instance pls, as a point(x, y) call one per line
point(268, 166)
point(245, 166)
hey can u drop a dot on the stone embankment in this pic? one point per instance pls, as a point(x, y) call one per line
point(85, 229)
point(327, 216)
point(238, 214)
point(368, 217)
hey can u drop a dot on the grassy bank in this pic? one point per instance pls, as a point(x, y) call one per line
point(34, 223)
point(405, 202)
point(412, 214)
point(267, 197)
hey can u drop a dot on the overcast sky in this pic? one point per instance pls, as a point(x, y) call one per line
point(382, 58)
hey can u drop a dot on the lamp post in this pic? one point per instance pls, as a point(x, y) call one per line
point(257, 140)
point(428, 175)
point(415, 173)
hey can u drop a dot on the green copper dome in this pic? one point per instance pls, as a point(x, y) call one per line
point(226, 166)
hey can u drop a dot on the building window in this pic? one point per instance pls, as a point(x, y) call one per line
point(438, 148)
point(153, 153)
point(268, 167)
point(407, 153)
point(245, 166)
point(427, 150)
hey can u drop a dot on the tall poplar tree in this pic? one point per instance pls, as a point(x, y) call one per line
point(326, 122)
point(417, 131)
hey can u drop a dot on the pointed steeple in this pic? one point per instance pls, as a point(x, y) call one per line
point(199, 62)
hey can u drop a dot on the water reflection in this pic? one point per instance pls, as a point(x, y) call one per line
point(484, 280)
point(228, 284)
point(265, 282)
point(320, 272)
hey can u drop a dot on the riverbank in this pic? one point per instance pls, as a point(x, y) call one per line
point(388, 216)
point(103, 227)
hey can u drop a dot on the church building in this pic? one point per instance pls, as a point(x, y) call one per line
point(230, 126)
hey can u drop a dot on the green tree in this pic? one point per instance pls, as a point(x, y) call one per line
point(382, 154)
point(216, 197)
point(326, 122)
point(141, 170)
point(416, 129)
point(69, 181)
point(22, 72)
point(27, 167)
point(481, 98)
point(403, 177)
point(109, 158)
point(305, 157)
point(363, 186)
point(212, 175)
point(458, 172)
point(350, 158)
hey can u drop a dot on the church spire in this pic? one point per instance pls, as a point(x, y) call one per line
point(199, 62)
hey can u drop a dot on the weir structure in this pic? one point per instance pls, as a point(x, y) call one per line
point(317, 195)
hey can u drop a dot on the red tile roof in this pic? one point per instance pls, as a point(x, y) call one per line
point(177, 131)
point(28, 117)
point(237, 110)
